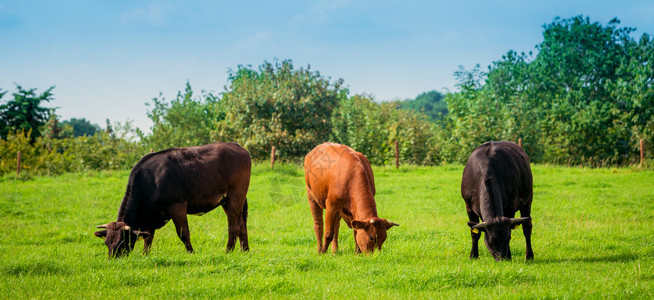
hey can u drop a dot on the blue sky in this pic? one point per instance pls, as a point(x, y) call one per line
point(108, 58)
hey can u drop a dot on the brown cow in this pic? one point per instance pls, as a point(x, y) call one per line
point(173, 183)
point(340, 180)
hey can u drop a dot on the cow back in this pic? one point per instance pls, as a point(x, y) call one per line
point(197, 175)
point(338, 172)
point(497, 177)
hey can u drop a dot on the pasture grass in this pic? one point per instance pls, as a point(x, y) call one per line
point(592, 239)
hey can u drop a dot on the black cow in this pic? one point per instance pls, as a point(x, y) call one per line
point(173, 183)
point(496, 183)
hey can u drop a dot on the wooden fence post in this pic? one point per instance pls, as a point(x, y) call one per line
point(642, 152)
point(272, 158)
point(18, 164)
point(520, 142)
point(397, 155)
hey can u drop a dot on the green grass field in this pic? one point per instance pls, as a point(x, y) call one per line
point(593, 238)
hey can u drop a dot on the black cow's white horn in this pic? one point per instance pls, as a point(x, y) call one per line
point(103, 226)
point(519, 220)
point(480, 225)
point(127, 227)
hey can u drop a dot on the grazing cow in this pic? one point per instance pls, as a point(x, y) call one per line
point(496, 183)
point(173, 183)
point(340, 180)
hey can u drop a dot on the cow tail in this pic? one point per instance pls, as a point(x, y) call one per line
point(244, 213)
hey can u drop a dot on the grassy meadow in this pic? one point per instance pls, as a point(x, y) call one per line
point(593, 238)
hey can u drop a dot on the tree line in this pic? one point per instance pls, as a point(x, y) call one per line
point(586, 97)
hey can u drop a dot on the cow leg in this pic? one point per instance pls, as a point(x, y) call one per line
point(356, 246)
point(474, 251)
point(336, 231)
point(243, 235)
point(331, 218)
point(316, 212)
point(526, 230)
point(181, 224)
point(148, 243)
point(234, 209)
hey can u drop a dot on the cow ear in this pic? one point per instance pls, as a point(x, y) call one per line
point(389, 225)
point(476, 227)
point(141, 234)
point(101, 234)
point(356, 224)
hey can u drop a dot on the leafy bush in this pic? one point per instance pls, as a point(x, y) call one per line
point(373, 128)
point(55, 156)
point(279, 106)
point(185, 121)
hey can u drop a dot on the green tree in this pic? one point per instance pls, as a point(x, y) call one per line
point(82, 127)
point(279, 106)
point(633, 92)
point(584, 98)
point(474, 116)
point(52, 129)
point(25, 112)
point(372, 129)
point(362, 124)
point(184, 121)
point(577, 64)
point(430, 103)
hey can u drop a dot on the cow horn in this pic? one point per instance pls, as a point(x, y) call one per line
point(103, 226)
point(127, 227)
point(372, 221)
point(519, 220)
point(391, 224)
point(480, 225)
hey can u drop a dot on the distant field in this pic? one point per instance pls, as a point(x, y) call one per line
point(593, 237)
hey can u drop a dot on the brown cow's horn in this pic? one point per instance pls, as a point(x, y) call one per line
point(372, 221)
point(518, 220)
point(480, 225)
point(103, 226)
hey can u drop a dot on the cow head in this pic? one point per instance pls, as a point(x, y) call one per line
point(371, 233)
point(120, 238)
point(497, 234)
